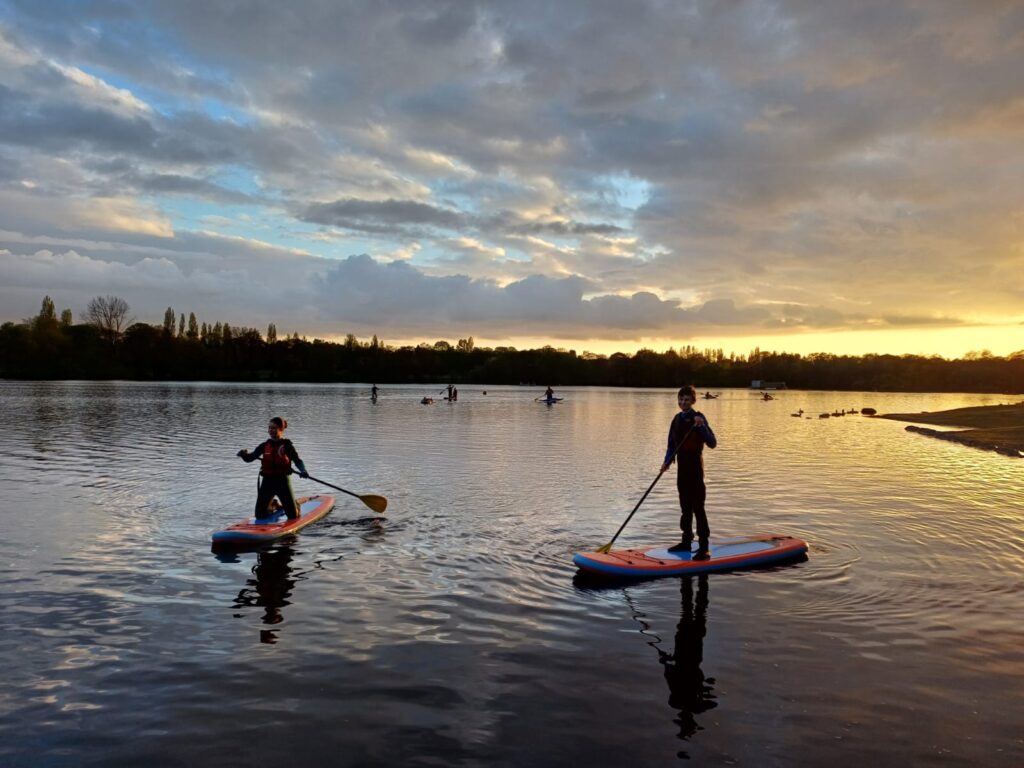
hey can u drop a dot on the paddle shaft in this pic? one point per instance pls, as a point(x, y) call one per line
point(335, 487)
point(648, 491)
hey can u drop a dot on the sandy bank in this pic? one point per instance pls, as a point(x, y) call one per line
point(997, 428)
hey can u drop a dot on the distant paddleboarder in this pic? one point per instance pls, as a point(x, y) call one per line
point(276, 457)
point(374, 392)
point(690, 432)
point(549, 394)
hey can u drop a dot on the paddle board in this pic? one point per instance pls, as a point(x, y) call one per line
point(550, 400)
point(253, 531)
point(726, 554)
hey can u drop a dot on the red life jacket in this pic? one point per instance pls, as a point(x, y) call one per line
point(275, 459)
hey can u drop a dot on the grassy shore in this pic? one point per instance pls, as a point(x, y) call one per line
point(990, 427)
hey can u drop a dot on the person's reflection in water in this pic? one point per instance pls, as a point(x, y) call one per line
point(270, 589)
point(689, 691)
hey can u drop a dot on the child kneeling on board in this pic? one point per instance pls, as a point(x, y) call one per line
point(276, 457)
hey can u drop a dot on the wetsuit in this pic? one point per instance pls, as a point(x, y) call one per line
point(690, 480)
point(276, 459)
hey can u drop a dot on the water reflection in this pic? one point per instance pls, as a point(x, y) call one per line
point(691, 693)
point(452, 619)
point(270, 589)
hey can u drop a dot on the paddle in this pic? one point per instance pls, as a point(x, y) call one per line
point(607, 547)
point(374, 502)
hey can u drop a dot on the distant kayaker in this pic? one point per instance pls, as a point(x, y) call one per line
point(690, 432)
point(276, 457)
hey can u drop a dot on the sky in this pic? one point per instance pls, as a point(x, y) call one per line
point(804, 176)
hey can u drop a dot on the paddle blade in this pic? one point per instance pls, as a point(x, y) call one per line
point(376, 503)
point(605, 549)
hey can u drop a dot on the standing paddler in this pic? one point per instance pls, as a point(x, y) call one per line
point(689, 433)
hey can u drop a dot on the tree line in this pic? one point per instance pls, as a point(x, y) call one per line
point(108, 344)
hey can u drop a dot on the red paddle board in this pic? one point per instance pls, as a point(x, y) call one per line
point(725, 555)
point(255, 531)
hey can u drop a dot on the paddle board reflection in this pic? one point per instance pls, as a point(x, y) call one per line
point(270, 589)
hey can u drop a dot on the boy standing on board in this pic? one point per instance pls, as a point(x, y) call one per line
point(689, 433)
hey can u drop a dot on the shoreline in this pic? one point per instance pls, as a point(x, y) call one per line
point(564, 384)
point(998, 428)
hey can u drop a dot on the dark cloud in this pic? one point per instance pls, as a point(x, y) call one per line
point(60, 126)
point(175, 184)
point(359, 291)
point(374, 216)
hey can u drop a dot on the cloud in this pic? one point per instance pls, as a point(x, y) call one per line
point(121, 215)
point(760, 165)
point(361, 292)
point(380, 216)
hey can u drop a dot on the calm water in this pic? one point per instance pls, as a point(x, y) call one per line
point(452, 632)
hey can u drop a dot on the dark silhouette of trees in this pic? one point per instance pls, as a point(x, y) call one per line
point(47, 314)
point(109, 315)
point(43, 348)
point(169, 318)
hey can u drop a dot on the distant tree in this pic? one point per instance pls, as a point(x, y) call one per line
point(203, 332)
point(271, 333)
point(66, 319)
point(442, 346)
point(217, 333)
point(374, 344)
point(465, 345)
point(351, 342)
point(109, 315)
point(47, 312)
point(169, 322)
point(226, 333)
point(45, 323)
point(181, 326)
point(193, 327)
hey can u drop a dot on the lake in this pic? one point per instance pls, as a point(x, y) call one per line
point(451, 631)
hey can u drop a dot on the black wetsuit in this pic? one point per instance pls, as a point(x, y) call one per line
point(275, 471)
point(690, 480)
